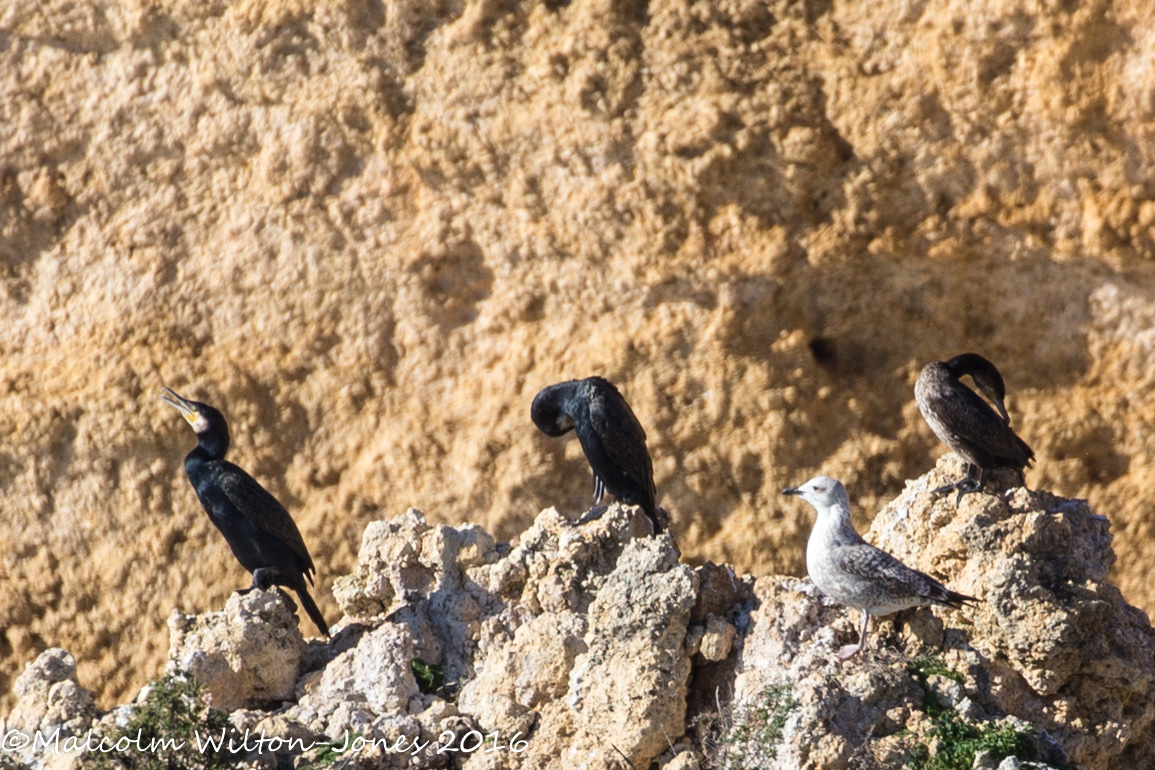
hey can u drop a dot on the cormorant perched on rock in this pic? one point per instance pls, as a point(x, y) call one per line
point(966, 423)
point(611, 437)
point(851, 571)
point(258, 529)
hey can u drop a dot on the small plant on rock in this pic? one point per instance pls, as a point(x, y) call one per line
point(751, 733)
point(959, 740)
point(173, 729)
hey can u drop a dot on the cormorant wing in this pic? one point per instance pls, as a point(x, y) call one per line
point(266, 512)
point(622, 436)
point(973, 420)
point(887, 574)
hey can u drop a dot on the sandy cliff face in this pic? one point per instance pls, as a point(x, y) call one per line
point(371, 232)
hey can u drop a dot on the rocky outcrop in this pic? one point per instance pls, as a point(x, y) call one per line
point(589, 644)
point(572, 642)
point(1052, 645)
point(603, 668)
point(50, 705)
point(249, 655)
point(1057, 644)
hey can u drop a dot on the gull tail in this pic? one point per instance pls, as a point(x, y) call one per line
point(955, 600)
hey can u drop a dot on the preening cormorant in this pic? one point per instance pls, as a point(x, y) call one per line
point(611, 437)
point(256, 526)
point(966, 423)
point(851, 571)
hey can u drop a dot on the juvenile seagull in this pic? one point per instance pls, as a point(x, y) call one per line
point(258, 529)
point(611, 437)
point(966, 423)
point(851, 571)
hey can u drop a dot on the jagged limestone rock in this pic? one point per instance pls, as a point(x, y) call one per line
point(1052, 649)
point(362, 683)
point(246, 655)
point(583, 639)
point(601, 662)
point(50, 705)
point(1059, 640)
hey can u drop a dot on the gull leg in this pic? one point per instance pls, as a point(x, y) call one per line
point(850, 650)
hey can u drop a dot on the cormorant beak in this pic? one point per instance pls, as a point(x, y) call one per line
point(184, 406)
point(1002, 409)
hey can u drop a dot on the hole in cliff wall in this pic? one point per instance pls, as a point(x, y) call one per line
point(822, 349)
point(454, 282)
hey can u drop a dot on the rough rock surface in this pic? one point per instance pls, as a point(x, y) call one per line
point(604, 663)
point(371, 231)
point(1056, 643)
point(1051, 644)
point(574, 637)
point(49, 703)
point(586, 642)
point(248, 655)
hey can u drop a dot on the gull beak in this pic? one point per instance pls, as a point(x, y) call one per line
point(792, 491)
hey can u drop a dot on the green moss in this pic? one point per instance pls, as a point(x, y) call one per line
point(753, 733)
point(924, 667)
point(960, 740)
point(328, 754)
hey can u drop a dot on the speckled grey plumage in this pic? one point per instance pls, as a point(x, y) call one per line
point(851, 571)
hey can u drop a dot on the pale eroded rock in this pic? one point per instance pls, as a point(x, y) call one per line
point(51, 705)
point(584, 642)
point(247, 655)
point(1051, 647)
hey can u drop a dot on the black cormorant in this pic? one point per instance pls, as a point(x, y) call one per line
point(258, 529)
point(611, 437)
point(966, 423)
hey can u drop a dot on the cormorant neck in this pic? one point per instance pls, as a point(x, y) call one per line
point(211, 445)
point(982, 371)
